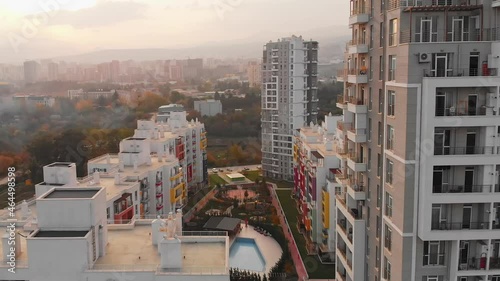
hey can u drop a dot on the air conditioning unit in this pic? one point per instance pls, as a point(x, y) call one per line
point(424, 57)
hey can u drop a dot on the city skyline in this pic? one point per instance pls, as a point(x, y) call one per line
point(34, 31)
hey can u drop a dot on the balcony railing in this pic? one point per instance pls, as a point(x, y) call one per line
point(355, 185)
point(494, 263)
point(471, 264)
point(359, 10)
point(458, 72)
point(358, 41)
point(463, 188)
point(356, 101)
point(459, 225)
point(442, 35)
point(464, 150)
point(356, 158)
point(458, 111)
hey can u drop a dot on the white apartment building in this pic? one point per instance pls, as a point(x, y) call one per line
point(420, 135)
point(71, 240)
point(90, 95)
point(289, 100)
point(316, 167)
point(209, 107)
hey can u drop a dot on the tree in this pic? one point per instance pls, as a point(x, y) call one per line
point(175, 97)
point(149, 102)
point(84, 106)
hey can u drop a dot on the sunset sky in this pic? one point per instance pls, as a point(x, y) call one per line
point(76, 26)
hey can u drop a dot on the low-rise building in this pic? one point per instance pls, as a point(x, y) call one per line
point(90, 95)
point(209, 107)
point(71, 240)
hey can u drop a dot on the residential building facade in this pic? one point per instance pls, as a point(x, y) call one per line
point(315, 169)
point(419, 142)
point(289, 100)
point(208, 107)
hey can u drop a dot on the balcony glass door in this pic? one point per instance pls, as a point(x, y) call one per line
point(474, 64)
point(440, 65)
point(466, 217)
point(464, 253)
point(471, 143)
point(442, 142)
point(437, 181)
point(438, 217)
point(472, 105)
point(469, 179)
point(440, 104)
point(424, 32)
point(458, 33)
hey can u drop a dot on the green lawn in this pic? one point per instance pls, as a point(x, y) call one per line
point(314, 267)
point(280, 183)
point(215, 179)
point(252, 175)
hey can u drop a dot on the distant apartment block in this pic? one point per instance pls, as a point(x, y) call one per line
point(66, 235)
point(31, 71)
point(165, 111)
point(289, 100)
point(208, 107)
point(32, 101)
point(151, 175)
point(254, 74)
point(53, 71)
point(316, 168)
point(90, 95)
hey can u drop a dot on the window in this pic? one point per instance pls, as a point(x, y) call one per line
point(381, 69)
point(367, 217)
point(381, 37)
point(388, 237)
point(393, 32)
point(389, 171)
point(380, 101)
point(391, 103)
point(388, 205)
point(369, 137)
point(390, 137)
point(380, 136)
point(368, 165)
point(387, 269)
point(379, 196)
point(368, 196)
point(108, 213)
point(438, 278)
point(378, 227)
point(371, 68)
point(392, 68)
point(379, 165)
point(377, 257)
point(434, 252)
point(370, 98)
point(371, 37)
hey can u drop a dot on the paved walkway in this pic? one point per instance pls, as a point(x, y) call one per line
point(297, 260)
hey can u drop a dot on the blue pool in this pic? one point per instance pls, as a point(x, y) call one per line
point(245, 254)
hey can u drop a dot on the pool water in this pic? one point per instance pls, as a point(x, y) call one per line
point(245, 254)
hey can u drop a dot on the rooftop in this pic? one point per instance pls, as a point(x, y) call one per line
point(112, 189)
point(134, 247)
point(71, 193)
point(23, 257)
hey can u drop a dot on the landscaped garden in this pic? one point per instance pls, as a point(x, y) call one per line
point(315, 269)
point(250, 202)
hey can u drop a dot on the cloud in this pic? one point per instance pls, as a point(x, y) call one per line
point(103, 14)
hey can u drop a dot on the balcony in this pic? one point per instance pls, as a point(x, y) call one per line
point(356, 163)
point(357, 105)
point(341, 75)
point(358, 76)
point(464, 188)
point(460, 226)
point(494, 263)
point(342, 152)
point(458, 72)
point(352, 214)
point(356, 189)
point(357, 46)
point(495, 3)
point(341, 102)
point(467, 150)
point(359, 15)
point(341, 251)
point(357, 135)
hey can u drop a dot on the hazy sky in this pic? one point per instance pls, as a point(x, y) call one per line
point(31, 29)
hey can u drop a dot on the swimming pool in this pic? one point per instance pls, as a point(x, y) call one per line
point(245, 254)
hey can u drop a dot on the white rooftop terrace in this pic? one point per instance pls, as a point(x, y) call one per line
point(132, 249)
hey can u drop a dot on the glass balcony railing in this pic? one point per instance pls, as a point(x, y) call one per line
point(467, 150)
